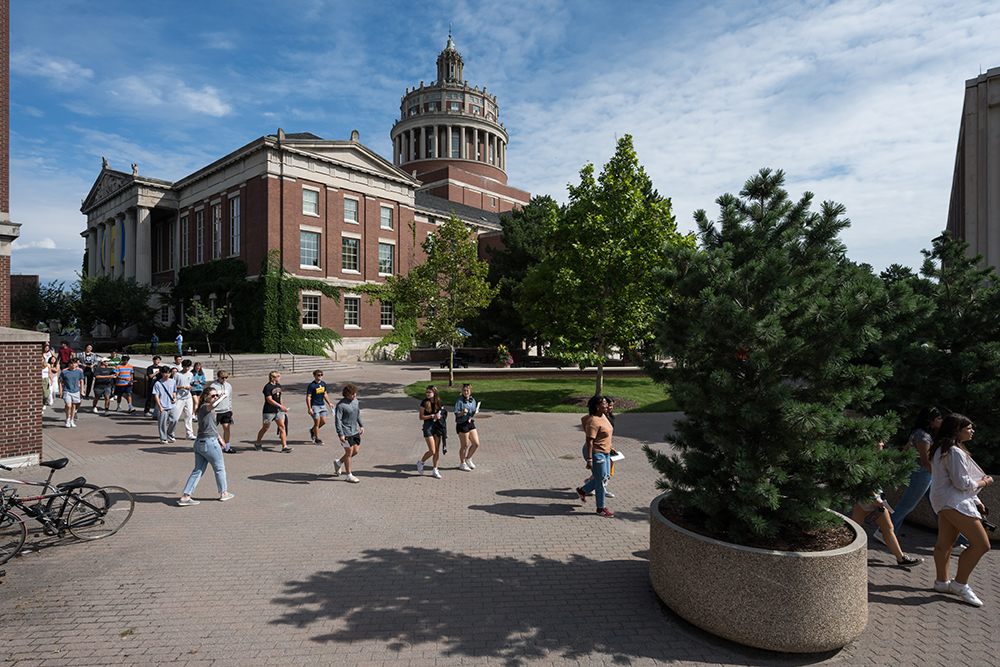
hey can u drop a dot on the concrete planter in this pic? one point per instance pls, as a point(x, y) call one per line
point(797, 602)
point(923, 515)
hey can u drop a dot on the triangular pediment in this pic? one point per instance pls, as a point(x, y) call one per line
point(108, 182)
point(353, 154)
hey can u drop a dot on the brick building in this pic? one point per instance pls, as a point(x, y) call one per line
point(336, 210)
point(20, 350)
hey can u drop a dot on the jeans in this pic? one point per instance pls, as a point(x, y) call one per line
point(166, 423)
point(600, 468)
point(919, 486)
point(207, 450)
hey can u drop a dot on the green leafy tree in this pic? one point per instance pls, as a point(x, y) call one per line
point(51, 302)
point(523, 247)
point(117, 303)
point(949, 355)
point(201, 321)
point(448, 287)
point(765, 325)
point(593, 292)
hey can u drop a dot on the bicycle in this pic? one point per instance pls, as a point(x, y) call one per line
point(87, 511)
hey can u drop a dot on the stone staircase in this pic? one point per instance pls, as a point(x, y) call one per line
point(261, 365)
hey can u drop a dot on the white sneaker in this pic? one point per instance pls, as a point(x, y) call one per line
point(942, 586)
point(958, 549)
point(194, 418)
point(465, 467)
point(337, 465)
point(353, 480)
point(469, 463)
point(964, 592)
point(435, 474)
point(68, 424)
point(95, 409)
point(877, 535)
point(608, 494)
point(420, 467)
point(72, 423)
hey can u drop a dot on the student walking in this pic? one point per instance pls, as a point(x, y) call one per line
point(955, 483)
point(319, 405)
point(88, 362)
point(347, 420)
point(274, 411)
point(104, 383)
point(430, 414)
point(598, 452)
point(72, 388)
point(185, 402)
point(207, 451)
point(224, 408)
point(124, 377)
point(198, 381)
point(466, 410)
point(164, 393)
point(152, 372)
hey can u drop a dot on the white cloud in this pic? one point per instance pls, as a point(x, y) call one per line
point(62, 72)
point(46, 243)
point(163, 94)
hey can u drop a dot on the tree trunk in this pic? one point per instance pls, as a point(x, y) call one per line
point(600, 379)
point(209, 344)
point(451, 365)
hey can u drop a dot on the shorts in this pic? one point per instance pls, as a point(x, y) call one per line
point(223, 417)
point(123, 390)
point(352, 440)
point(196, 392)
point(102, 391)
point(320, 411)
point(71, 397)
point(274, 417)
point(466, 426)
point(429, 428)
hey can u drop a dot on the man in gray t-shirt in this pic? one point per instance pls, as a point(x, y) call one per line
point(350, 428)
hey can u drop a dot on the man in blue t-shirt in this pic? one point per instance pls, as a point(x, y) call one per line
point(72, 388)
point(318, 403)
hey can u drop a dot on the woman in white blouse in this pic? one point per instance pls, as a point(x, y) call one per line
point(955, 481)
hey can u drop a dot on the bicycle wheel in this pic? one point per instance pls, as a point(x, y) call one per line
point(12, 534)
point(58, 507)
point(100, 512)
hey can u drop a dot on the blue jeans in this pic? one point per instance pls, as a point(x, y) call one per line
point(919, 486)
point(600, 468)
point(207, 450)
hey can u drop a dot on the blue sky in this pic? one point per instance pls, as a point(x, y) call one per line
point(858, 101)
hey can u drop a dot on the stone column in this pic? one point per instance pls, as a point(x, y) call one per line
point(413, 144)
point(175, 225)
point(463, 146)
point(447, 150)
point(422, 153)
point(143, 247)
point(130, 246)
point(99, 230)
point(119, 251)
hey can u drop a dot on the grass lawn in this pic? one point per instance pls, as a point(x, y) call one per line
point(547, 394)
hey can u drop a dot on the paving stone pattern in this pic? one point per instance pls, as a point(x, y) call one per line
point(499, 566)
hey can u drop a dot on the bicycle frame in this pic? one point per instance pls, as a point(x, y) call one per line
point(52, 522)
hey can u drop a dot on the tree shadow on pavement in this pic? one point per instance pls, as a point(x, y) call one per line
point(505, 609)
point(395, 471)
point(294, 477)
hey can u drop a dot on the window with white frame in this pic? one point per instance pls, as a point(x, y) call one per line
point(310, 310)
point(234, 226)
point(349, 256)
point(164, 314)
point(386, 217)
point(385, 253)
point(185, 236)
point(217, 231)
point(308, 248)
point(350, 210)
point(454, 106)
point(199, 237)
point(352, 311)
point(388, 316)
point(310, 202)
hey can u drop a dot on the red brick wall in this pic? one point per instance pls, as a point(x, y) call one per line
point(21, 400)
point(4, 291)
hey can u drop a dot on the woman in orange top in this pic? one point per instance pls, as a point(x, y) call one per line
point(597, 452)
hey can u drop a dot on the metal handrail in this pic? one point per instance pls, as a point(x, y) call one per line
point(223, 353)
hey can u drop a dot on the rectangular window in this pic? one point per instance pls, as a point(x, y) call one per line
point(455, 140)
point(310, 202)
point(234, 226)
point(199, 237)
point(352, 311)
point(351, 210)
point(388, 316)
point(185, 242)
point(309, 249)
point(385, 258)
point(430, 145)
point(432, 106)
point(386, 217)
point(164, 314)
point(455, 106)
point(217, 231)
point(491, 154)
point(310, 310)
point(349, 255)
point(170, 246)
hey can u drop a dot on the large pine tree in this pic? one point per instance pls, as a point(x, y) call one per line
point(764, 324)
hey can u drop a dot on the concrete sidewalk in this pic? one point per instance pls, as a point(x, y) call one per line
point(499, 566)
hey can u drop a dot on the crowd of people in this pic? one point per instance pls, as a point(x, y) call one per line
point(947, 474)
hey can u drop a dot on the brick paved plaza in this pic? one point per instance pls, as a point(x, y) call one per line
point(499, 566)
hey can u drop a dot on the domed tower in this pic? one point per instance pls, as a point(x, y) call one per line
point(450, 135)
